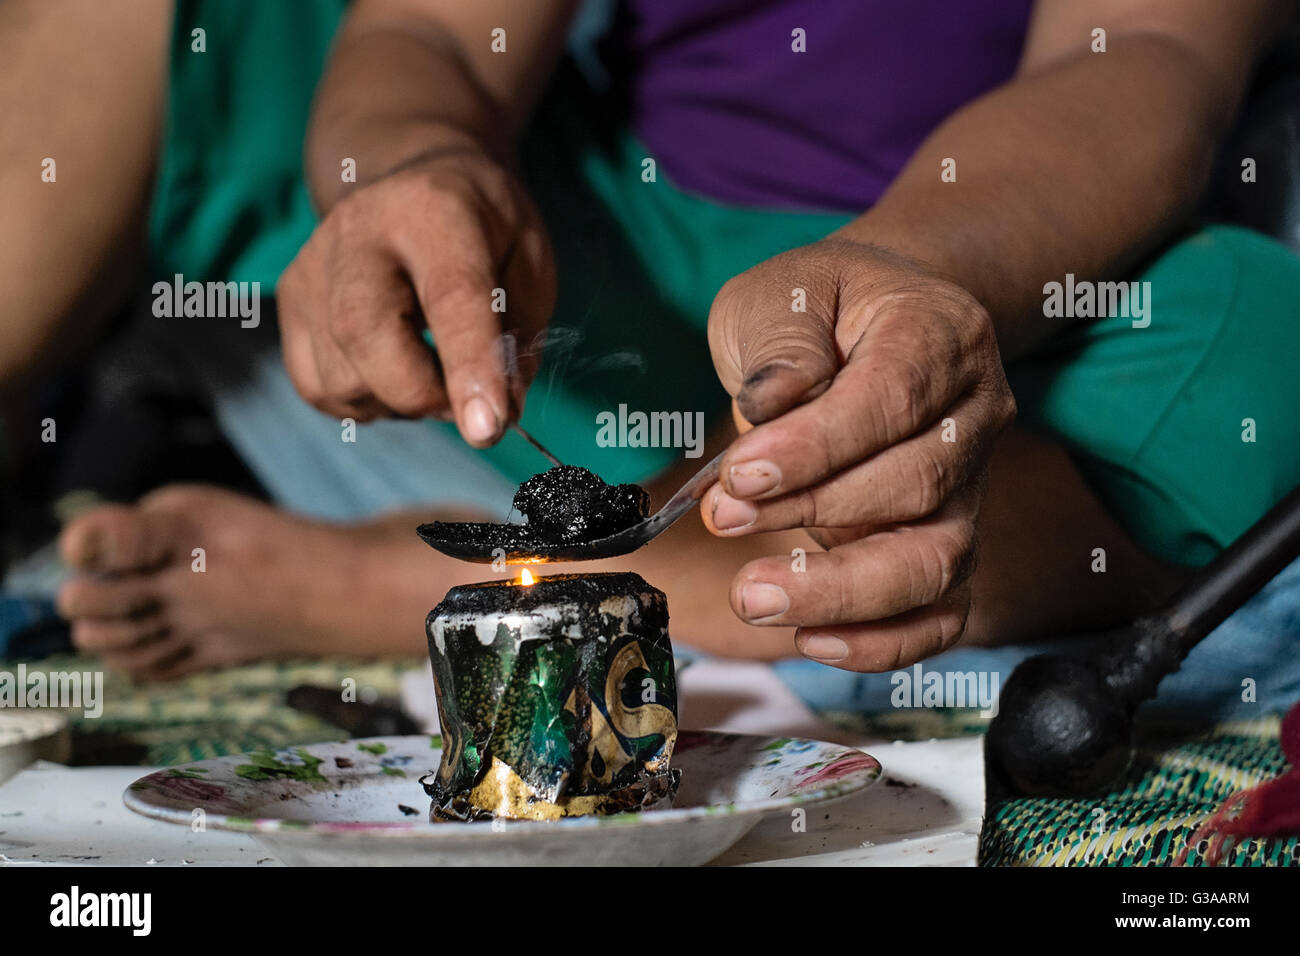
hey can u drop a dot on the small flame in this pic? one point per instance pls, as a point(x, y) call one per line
point(527, 578)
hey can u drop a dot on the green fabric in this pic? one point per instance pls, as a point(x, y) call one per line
point(1154, 415)
point(230, 201)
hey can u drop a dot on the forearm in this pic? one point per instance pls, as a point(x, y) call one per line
point(81, 96)
point(408, 77)
point(389, 96)
point(1080, 167)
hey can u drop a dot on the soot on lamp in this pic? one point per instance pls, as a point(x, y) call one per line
point(555, 698)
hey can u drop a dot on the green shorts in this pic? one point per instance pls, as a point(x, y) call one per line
point(1155, 416)
point(1181, 427)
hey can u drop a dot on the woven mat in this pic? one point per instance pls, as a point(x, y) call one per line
point(211, 715)
point(1172, 790)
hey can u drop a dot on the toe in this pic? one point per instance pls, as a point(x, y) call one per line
point(107, 635)
point(187, 661)
point(97, 597)
point(164, 658)
point(82, 542)
point(118, 539)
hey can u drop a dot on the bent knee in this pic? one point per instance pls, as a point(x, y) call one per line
point(1185, 425)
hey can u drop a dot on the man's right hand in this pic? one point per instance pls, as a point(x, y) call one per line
point(427, 245)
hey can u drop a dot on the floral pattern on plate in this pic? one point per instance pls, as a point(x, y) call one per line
point(352, 801)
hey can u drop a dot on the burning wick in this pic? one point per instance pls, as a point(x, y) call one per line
point(526, 578)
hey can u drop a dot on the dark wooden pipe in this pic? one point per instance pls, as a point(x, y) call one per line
point(1064, 725)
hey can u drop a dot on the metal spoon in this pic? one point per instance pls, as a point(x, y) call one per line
point(528, 552)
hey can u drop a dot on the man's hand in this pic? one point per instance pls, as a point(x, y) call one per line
point(876, 409)
point(425, 246)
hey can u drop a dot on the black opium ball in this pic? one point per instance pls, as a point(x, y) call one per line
point(568, 504)
point(1060, 730)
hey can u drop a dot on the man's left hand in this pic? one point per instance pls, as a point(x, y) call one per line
point(876, 390)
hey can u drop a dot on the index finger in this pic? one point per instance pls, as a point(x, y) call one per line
point(456, 291)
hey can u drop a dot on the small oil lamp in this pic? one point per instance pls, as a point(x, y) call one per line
point(557, 697)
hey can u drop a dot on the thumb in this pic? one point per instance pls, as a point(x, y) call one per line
point(772, 338)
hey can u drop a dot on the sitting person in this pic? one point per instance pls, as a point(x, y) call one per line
point(850, 215)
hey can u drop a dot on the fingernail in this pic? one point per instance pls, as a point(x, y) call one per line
point(479, 421)
point(731, 513)
point(767, 371)
point(760, 600)
point(823, 647)
point(750, 479)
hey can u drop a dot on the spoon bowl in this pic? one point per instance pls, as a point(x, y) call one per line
point(486, 542)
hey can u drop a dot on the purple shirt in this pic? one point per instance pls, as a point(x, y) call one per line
point(730, 111)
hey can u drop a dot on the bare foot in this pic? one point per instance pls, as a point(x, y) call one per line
point(265, 584)
point(274, 585)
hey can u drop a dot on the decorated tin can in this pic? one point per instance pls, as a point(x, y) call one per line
point(556, 698)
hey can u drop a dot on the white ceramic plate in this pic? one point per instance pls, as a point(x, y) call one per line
point(337, 804)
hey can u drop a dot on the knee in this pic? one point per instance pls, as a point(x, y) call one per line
point(1185, 426)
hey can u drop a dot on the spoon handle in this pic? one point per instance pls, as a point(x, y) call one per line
point(646, 531)
point(687, 495)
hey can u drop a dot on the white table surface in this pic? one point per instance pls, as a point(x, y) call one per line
point(925, 811)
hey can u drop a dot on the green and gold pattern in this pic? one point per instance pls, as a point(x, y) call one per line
point(563, 705)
